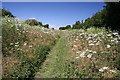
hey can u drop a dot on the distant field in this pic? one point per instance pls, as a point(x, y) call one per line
point(37, 52)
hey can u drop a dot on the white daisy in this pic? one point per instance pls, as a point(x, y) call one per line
point(108, 46)
point(89, 56)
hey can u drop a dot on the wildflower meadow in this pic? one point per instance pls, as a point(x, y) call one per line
point(33, 51)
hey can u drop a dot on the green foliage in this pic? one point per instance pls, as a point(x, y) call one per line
point(52, 28)
point(78, 25)
point(112, 18)
point(12, 33)
point(40, 23)
point(96, 20)
point(94, 30)
point(63, 28)
point(29, 66)
point(57, 60)
point(82, 21)
point(26, 63)
point(46, 26)
point(108, 17)
point(32, 22)
point(6, 13)
point(68, 26)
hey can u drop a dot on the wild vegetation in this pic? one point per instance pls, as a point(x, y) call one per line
point(87, 50)
point(24, 47)
point(108, 18)
point(33, 22)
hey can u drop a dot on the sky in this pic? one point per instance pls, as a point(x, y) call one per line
point(56, 14)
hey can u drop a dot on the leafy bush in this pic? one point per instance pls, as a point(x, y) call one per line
point(68, 27)
point(63, 28)
point(6, 13)
point(31, 22)
point(46, 26)
point(40, 23)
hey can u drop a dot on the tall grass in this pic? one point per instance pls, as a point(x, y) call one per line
point(97, 52)
point(55, 66)
point(24, 48)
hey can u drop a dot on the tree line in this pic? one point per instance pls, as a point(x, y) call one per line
point(31, 22)
point(109, 17)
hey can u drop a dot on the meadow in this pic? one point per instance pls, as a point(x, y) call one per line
point(38, 52)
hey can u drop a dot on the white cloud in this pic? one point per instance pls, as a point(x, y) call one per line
point(54, 26)
point(32, 18)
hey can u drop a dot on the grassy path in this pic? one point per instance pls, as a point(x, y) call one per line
point(54, 66)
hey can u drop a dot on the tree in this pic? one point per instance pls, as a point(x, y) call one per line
point(97, 20)
point(40, 23)
point(82, 21)
point(77, 23)
point(109, 17)
point(62, 28)
point(6, 13)
point(31, 22)
point(46, 26)
point(112, 18)
point(68, 27)
point(52, 28)
point(75, 26)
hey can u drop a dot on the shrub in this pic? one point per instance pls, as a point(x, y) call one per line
point(7, 13)
point(32, 22)
point(46, 26)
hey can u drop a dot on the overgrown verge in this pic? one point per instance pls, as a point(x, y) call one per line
point(24, 48)
point(96, 53)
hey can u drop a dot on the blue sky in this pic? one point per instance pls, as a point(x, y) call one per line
point(55, 14)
